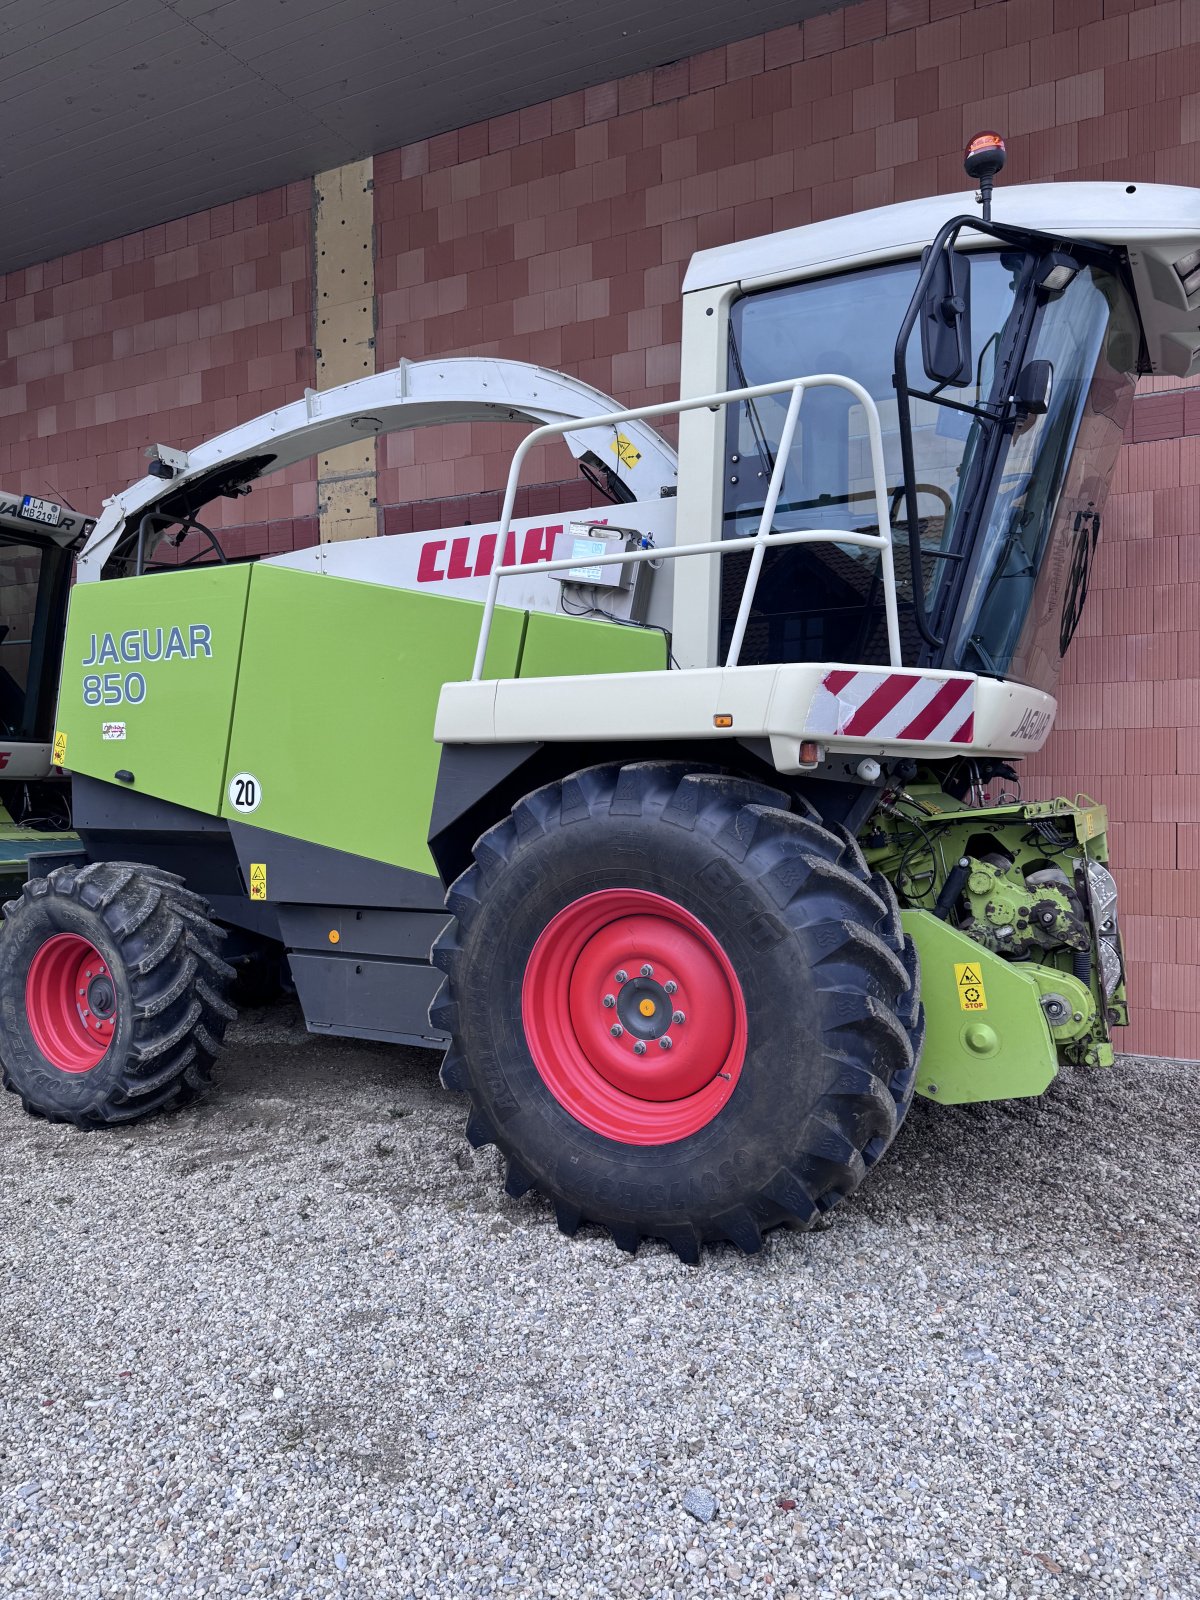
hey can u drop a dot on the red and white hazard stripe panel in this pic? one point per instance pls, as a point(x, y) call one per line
point(894, 705)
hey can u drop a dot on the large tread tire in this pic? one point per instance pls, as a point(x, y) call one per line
point(831, 986)
point(162, 951)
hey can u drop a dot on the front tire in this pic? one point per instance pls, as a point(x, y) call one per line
point(112, 994)
point(628, 906)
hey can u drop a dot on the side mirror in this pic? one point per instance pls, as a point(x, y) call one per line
point(1031, 396)
point(946, 322)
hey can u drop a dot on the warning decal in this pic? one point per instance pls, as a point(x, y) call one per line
point(626, 452)
point(60, 750)
point(971, 996)
point(258, 880)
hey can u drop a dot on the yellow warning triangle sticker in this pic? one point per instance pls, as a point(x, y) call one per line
point(967, 975)
point(626, 452)
point(258, 872)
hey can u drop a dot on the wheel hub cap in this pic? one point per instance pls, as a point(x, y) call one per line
point(644, 1009)
point(101, 997)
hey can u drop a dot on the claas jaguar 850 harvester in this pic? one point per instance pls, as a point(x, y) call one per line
point(689, 828)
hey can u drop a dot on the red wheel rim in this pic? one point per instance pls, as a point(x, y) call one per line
point(624, 968)
point(71, 1003)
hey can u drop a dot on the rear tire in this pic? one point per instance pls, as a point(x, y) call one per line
point(112, 994)
point(586, 919)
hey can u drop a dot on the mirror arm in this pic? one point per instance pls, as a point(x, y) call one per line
point(986, 413)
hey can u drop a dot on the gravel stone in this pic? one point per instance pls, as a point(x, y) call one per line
point(241, 1354)
point(699, 1503)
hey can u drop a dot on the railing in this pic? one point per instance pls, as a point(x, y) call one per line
point(756, 543)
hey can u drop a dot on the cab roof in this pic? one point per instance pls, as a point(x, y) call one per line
point(42, 521)
point(1156, 223)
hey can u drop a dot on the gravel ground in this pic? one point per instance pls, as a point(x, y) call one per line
point(296, 1342)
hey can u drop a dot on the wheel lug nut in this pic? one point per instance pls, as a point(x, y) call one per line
point(670, 987)
point(622, 976)
point(616, 1030)
point(639, 1048)
point(678, 1016)
point(647, 970)
point(665, 1042)
point(610, 1000)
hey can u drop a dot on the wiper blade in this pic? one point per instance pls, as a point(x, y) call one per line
point(761, 443)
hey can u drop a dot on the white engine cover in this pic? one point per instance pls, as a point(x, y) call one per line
point(858, 709)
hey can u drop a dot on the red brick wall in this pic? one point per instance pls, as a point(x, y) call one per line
point(559, 235)
point(165, 336)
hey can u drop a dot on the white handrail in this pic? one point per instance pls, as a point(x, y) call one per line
point(882, 541)
point(750, 586)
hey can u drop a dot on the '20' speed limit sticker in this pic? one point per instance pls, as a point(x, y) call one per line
point(245, 792)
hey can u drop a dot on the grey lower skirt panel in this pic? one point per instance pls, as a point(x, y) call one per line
point(367, 997)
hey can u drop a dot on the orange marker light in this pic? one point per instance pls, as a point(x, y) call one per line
point(984, 157)
point(985, 141)
point(334, 936)
point(722, 720)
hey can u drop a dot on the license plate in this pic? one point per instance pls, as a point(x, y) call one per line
point(41, 511)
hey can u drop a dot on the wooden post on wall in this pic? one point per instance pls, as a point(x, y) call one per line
point(344, 336)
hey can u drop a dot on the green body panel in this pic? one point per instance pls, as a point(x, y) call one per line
point(324, 690)
point(560, 646)
point(175, 736)
point(335, 707)
point(1003, 1051)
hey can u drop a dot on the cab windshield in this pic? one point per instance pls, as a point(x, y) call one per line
point(1002, 504)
